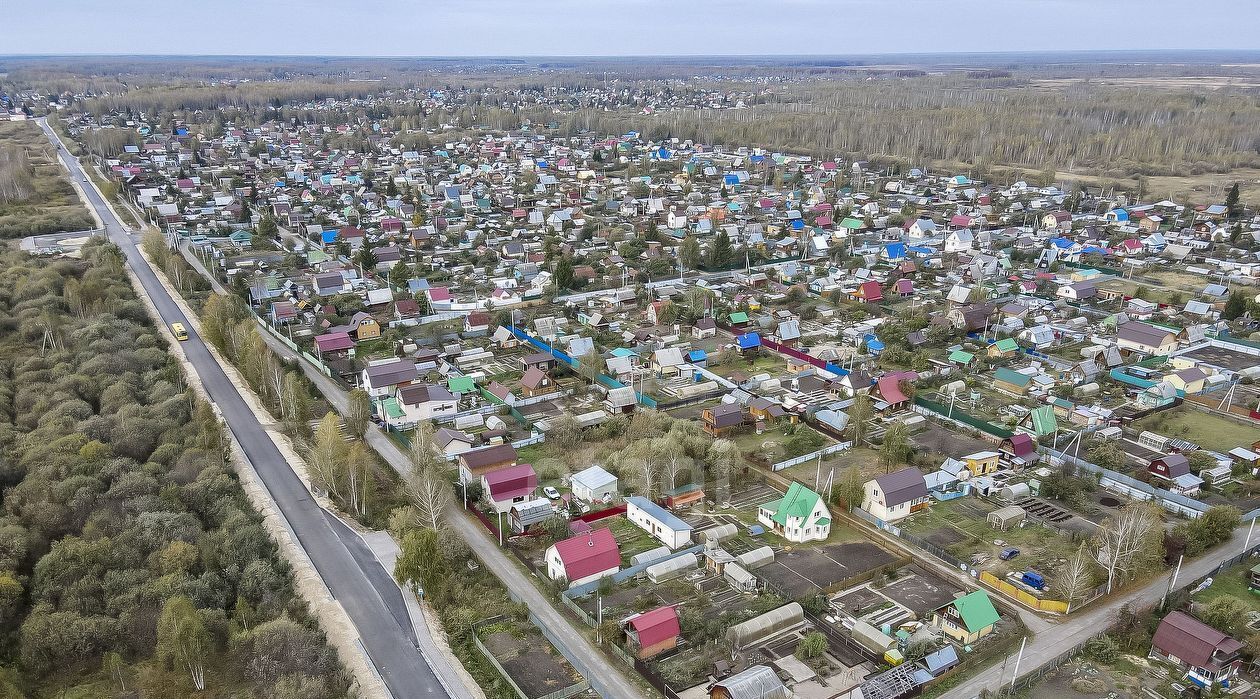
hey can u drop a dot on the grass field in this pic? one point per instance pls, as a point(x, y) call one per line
point(1232, 581)
point(1204, 429)
point(54, 206)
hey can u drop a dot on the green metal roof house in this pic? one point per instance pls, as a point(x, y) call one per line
point(1011, 381)
point(799, 516)
point(968, 618)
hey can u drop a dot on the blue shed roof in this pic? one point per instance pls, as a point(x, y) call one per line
point(749, 340)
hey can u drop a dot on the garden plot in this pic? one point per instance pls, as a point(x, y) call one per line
point(961, 527)
point(949, 441)
point(529, 660)
point(804, 572)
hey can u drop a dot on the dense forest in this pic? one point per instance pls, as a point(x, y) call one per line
point(131, 562)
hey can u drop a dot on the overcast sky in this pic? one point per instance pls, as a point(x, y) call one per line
point(620, 27)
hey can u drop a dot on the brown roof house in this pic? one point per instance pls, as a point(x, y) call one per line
point(477, 462)
point(1207, 655)
point(896, 495)
point(535, 382)
point(722, 419)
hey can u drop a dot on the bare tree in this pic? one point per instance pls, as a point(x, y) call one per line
point(1076, 577)
point(358, 412)
point(430, 495)
point(357, 476)
point(1121, 540)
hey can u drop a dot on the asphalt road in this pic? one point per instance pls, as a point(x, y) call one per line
point(608, 679)
point(1048, 644)
point(379, 616)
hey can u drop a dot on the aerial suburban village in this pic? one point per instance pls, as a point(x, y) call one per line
point(628, 415)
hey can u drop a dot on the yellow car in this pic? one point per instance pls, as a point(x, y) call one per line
point(178, 330)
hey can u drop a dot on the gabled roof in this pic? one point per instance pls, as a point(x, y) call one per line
point(902, 486)
point(976, 610)
point(486, 456)
point(391, 373)
point(1011, 376)
point(593, 478)
point(658, 513)
point(511, 482)
point(587, 554)
point(653, 627)
point(1191, 640)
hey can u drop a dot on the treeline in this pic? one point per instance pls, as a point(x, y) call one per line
point(16, 175)
point(1110, 130)
point(130, 558)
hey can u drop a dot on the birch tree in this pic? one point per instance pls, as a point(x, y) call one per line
point(359, 412)
point(1075, 578)
point(430, 495)
point(1121, 541)
point(326, 453)
point(182, 639)
point(357, 475)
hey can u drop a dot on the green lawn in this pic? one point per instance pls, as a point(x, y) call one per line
point(1232, 581)
point(1204, 429)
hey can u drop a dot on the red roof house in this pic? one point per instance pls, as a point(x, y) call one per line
point(654, 632)
point(889, 389)
point(333, 343)
point(584, 558)
point(509, 486)
point(1206, 654)
point(869, 291)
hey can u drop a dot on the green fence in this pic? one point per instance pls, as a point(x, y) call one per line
point(960, 416)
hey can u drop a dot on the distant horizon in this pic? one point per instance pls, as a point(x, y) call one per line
point(620, 28)
point(538, 56)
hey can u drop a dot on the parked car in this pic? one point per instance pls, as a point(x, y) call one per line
point(1008, 554)
point(551, 492)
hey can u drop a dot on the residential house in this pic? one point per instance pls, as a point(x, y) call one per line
point(1174, 470)
point(380, 379)
point(982, 463)
point(333, 345)
point(620, 401)
point(1189, 381)
point(894, 496)
point(722, 419)
point(662, 524)
point(1011, 381)
point(653, 632)
point(704, 327)
point(667, 361)
point(1206, 655)
point(507, 487)
point(799, 516)
point(584, 558)
point(536, 382)
point(1006, 347)
point(452, 442)
point(966, 619)
point(424, 402)
point(1145, 338)
point(476, 462)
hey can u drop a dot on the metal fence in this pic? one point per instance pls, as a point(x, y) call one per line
point(563, 693)
point(922, 404)
point(825, 451)
point(924, 544)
